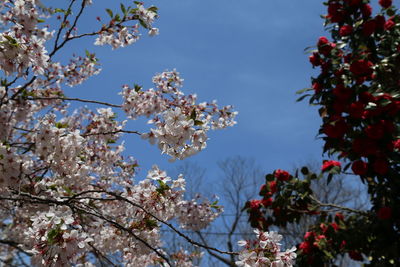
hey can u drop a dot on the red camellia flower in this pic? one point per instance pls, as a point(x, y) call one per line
point(375, 131)
point(328, 164)
point(335, 130)
point(365, 147)
point(309, 236)
point(272, 187)
point(324, 46)
point(315, 59)
point(389, 24)
point(335, 12)
point(381, 166)
point(385, 3)
point(339, 216)
point(396, 144)
point(369, 27)
point(353, 3)
point(267, 202)
point(356, 110)
point(359, 167)
point(355, 255)
point(255, 204)
point(342, 92)
point(366, 10)
point(345, 30)
point(380, 22)
point(335, 226)
point(306, 247)
point(384, 213)
point(361, 67)
point(281, 175)
point(317, 87)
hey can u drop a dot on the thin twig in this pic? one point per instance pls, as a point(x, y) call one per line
point(74, 99)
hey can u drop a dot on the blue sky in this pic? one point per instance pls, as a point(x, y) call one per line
point(246, 53)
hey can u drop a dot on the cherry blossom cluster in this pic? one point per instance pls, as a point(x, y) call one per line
point(23, 44)
point(57, 237)
point(182, 125)
point(265, 251)
point(117, 34)
point(80, 69)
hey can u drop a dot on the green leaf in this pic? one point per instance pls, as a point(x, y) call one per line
point(59, 10)
point(330, 176)
point(151, 224)
point(303, 90)
point(137, 87)
point(304, 171)
point(40, 20)
point(141, 22)
point(60, 125)
point(198, 123)
point(153, 9)
point(302, 97)
point(52, 234)
point(123, 9)
point(390, 12)
point(109, 11)
point(193, 115)
point(270, 177)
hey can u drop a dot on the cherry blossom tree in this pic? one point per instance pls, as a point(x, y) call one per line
point(68, 195)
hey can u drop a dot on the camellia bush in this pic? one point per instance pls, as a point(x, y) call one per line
point(68, 196)
point(358, 92)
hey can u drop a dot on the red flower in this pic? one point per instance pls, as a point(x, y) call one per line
point(396, 144)
point(355, 255)
point(366, 10)
point(359, 167)
point(389, 24)
point(356, 110)
point(345, 30)
point(361, 67)
point(324, 46)
point(335, 130)
point(369, 27)
point(255, 204)
point(328, 164)
point(381, 166)
point(339, 216)
point(306, 247)
point(380, 22)
point(384, 213)
point(309, 235)
point(335, 226)
point(315, 59)
point(342, 92)
point(367, 97)
point(317, 87)
point(267, 202)
point(323, 227)
point(375, 131)
point(385, 3)
point(272, 187)
point(281, 175)
point(335, 12)
point(343, 244)
point(365, 147)
point(353, 3)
